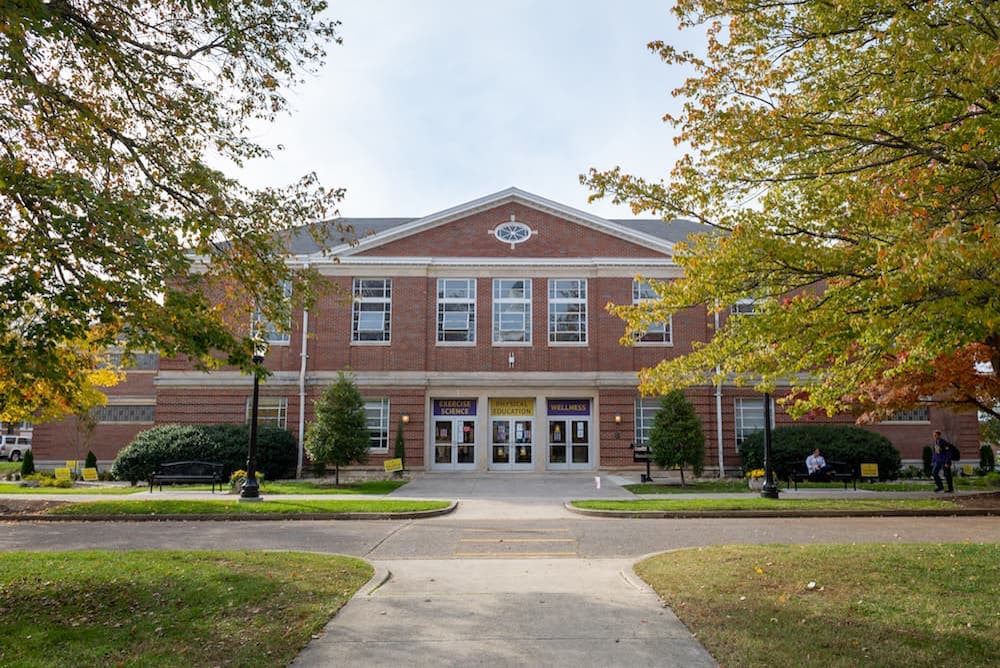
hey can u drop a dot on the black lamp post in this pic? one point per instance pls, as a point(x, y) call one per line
point(250, 490)
point(769, 490)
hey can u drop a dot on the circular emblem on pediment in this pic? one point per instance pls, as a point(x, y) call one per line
point(512, 232)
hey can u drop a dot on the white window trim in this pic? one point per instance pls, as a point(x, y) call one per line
point(739, 308)
point(383, 423)
point(526, 301)
point(280, 404)
point(738, 411)
point(668, 324)
point(386, 312)
point(471, 319)
point(583, 301)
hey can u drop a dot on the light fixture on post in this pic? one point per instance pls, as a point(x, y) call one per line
point(769, 490)
point(250, 490)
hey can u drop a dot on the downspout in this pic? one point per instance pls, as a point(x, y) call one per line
point(718, 407)
point(304, 355)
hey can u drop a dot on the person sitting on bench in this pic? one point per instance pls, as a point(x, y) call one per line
point(819, 470)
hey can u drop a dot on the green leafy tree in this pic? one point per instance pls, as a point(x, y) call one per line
point(849, 154)
point(107, 200)
point(91, 461)
point(339, 434)
point(676, 438)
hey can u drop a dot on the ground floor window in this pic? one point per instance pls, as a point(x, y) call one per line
point(645, 411)
point(270, 410)
point(750, 417)
point(377, 411)
point(125, 413)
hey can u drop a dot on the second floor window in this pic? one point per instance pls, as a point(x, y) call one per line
point(511, 310)
point(567, 311)
point(456, 310)
point(372, 313)
point(266, 329)
point(657, 332)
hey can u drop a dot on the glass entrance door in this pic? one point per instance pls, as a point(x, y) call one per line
point(569, 444)
point(512, 445)
point(454, 444)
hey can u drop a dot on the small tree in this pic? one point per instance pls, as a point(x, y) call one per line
point(27, 463)
point(676, 438)
point(399, 446)
point(987, 460)
point(91, 461)
point(339, 433)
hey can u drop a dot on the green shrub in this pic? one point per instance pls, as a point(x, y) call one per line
point(839, 443)
point(27, 463)
point(224, 443)
point(927, 455)
point(90, 462)
point(987, 460)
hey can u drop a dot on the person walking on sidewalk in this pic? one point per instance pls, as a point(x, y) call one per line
point(941, 461)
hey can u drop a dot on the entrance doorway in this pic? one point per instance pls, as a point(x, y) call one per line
point(512, 444)
point(569, 444)
point(454, 444)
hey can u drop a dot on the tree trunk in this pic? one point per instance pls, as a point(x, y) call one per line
point(683, 484)
point(336, 475)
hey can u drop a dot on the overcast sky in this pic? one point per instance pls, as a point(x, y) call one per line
point(431, 103)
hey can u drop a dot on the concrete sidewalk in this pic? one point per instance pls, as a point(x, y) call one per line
point(505, 612)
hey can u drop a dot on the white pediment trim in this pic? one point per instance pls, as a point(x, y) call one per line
point(508, 196)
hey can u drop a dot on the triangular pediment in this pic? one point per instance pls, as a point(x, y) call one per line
point(533, 227)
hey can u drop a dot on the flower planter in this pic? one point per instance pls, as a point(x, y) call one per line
point(756, 483)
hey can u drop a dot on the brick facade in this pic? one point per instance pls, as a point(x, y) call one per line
point(419, 376)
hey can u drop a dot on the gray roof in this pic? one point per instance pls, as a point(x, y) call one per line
point(301, 242)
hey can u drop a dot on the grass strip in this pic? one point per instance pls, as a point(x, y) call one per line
point(310, 487)
point(836, 605)
point(168, 608)
point(760, 503)
point(234, 507)
point(15, 488)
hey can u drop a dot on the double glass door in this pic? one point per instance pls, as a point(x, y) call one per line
point(512, 444)
point(569, 443)
point(454, 444)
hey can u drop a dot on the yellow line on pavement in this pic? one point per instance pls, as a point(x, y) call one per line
point(517, 540)
point(514, 554)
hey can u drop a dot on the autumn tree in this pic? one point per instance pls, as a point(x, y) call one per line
point(109, 112)
point(849, 154)
point(676, 438)
point(339, 433)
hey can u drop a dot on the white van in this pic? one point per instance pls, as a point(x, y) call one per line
point(14, 447)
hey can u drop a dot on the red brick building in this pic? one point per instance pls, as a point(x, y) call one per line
point(483, 329)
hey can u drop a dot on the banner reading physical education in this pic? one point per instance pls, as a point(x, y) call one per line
point(506, 407)
point(569, 406)
point(454, 407)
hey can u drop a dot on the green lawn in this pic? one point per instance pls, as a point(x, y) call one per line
point(699, 487)
point(716, 486)
point(15, 488)
point(760, 503)
point(168, 608)
point(886, 605)
point(311, 487)
point(234, 507)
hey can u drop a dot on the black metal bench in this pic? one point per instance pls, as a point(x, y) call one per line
point(187, 473)
point(841, 473)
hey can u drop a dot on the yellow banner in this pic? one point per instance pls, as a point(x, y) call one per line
point(869, 470)
point(62, 474)
point(90, 474)
point(393, 465)
point(504, 407)
point(71, 464)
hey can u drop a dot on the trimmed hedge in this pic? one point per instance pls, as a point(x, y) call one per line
point(839, 443)
point(224, 443)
